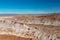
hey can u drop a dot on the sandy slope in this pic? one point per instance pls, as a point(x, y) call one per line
point(12, 37)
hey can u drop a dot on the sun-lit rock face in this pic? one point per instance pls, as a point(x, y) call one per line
point(44, 22)
point(27, 31)
point(14, 28)
point(31, 27)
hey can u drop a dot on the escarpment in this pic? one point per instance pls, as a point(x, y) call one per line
point(17, 29)
point(30, 28)
point(45, 20)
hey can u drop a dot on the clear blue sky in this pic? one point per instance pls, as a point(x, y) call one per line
point(29, 6)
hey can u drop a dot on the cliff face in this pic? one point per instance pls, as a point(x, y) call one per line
point(45, 27)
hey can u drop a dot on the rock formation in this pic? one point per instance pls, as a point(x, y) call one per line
point(34, 27)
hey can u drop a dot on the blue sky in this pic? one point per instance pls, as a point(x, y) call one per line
point(29, 6)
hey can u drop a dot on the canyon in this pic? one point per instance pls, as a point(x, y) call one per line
point(30, 27)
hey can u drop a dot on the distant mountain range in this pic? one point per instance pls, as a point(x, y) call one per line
point(8, 14)
point(28, 14)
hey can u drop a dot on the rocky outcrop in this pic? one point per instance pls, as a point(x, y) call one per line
point(44, 22)
point(14, 28)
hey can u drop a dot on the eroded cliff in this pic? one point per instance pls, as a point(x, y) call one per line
point(38, 27)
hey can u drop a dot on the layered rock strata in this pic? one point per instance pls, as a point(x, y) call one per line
point(30, 28)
